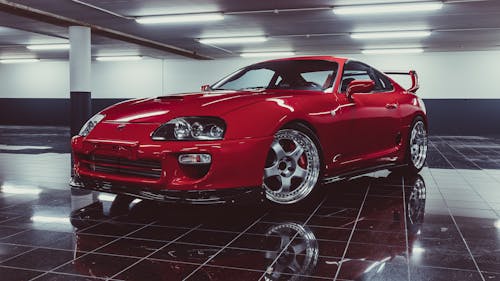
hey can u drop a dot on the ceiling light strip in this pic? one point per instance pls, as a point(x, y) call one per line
point(119, 58)
point(277, 11)
point(388, 8)
point(48, 47)
point(267, 54)
point(18, 60)
point(180, 18)
point(233, 40)
point(391, 34)
point(392, 51)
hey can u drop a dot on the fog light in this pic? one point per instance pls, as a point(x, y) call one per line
point(191, 159)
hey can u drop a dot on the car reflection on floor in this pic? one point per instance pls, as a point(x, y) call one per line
point(321, 238)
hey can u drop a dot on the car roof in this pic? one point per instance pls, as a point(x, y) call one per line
point(327, 58)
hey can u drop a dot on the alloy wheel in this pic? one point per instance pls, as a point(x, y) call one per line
point(292, 167)
point(418, 144)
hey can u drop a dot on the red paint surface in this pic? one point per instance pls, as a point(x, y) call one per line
point(354, 134)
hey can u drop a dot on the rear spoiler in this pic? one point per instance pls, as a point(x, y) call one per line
point(414, 79)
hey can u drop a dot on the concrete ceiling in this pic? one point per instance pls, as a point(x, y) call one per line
point(459, 25)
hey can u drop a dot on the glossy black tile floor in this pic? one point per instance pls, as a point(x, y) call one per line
point(443, 224)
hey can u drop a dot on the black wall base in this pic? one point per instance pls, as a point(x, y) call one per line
point(446, 116)
point(80, 110)
point(44, 112)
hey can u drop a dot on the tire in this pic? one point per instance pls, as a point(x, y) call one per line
point(415, 203)
point(416, 147)
point(293, 166)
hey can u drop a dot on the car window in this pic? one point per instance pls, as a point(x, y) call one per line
point(385, 83)
point(323, 78)
point(314, 75)
point(255, 78)
point(359, 71)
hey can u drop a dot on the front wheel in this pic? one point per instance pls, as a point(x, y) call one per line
point(292, 166)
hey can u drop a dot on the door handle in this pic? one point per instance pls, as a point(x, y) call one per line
point(391, 106)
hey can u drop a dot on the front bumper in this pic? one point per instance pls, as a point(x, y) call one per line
point(195, 197)
point(138, 166)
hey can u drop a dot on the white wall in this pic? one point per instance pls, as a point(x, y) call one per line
point(50, 79)
point(127, 79)
point(34, 80)
point(442, 75)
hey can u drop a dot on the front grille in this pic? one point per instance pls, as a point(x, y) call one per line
point(121, 166)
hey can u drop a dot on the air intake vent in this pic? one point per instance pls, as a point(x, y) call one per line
point(119, 166)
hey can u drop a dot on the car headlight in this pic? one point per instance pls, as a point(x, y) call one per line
point(91, 123)
point(191, 128)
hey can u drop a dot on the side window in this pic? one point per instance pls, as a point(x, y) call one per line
point(359, 71)
point(354, 71)
point(320, 78)
point(385, 83)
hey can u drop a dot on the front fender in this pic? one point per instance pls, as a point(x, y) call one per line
point(261, 119)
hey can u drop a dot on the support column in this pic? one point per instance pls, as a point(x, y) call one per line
point(79, 77)
point(81, 108)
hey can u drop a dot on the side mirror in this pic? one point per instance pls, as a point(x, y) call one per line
point(359, 86)
point(205, 88)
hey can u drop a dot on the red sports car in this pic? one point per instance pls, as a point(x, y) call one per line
point(274, 130)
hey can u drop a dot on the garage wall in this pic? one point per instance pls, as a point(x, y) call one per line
point(458, 87)
point(50, 79)
point(453, 75)
point(38, 93)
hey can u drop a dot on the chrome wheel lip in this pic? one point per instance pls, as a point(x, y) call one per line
point(416, 201)
point(306, 245)
point(304, 146)
point(418, 144)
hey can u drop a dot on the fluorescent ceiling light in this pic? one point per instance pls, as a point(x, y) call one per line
point(48, 47)
point(22, 147)
point(18, 60)
point(119, 58)
point(392, 51)
point(391, 34)
point(180, 18)
point(106, 197)
point(267, 54)
point(50, 219)
point(15, 189)
point(418, 250)
point(233, 40)
point(110, 198)
point(388, 8)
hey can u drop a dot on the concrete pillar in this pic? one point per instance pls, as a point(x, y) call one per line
point(79, 76)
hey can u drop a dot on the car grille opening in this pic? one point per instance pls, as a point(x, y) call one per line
point(150, 169)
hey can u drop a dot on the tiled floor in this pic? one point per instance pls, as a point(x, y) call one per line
point(441, 225)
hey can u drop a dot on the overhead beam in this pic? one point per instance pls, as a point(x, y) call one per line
point(51, 18)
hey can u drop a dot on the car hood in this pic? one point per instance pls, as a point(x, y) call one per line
point(163, 109)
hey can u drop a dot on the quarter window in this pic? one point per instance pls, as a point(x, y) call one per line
point(359, 71)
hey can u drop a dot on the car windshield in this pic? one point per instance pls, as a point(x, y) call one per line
point(312, 75)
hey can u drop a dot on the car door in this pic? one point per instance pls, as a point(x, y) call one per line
point(374, 117)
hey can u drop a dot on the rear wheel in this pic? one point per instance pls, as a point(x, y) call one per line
point(292, 167)
point(416, 152)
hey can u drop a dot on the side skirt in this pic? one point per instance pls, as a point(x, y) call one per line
point(360, 172)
